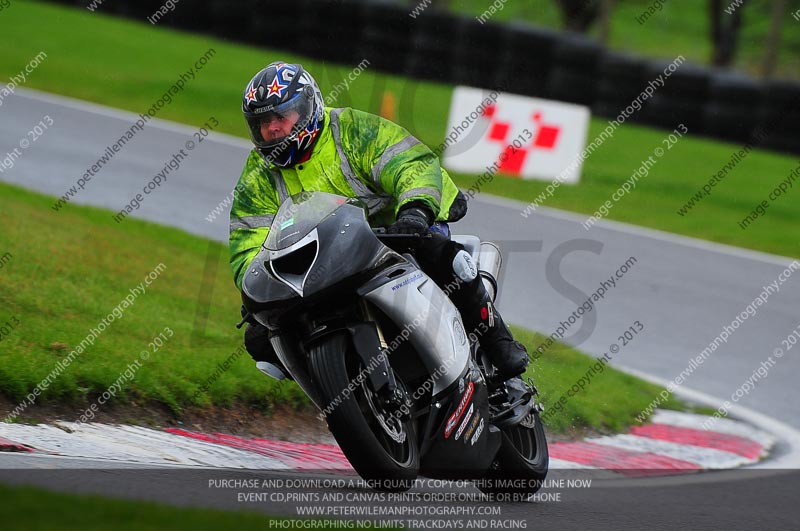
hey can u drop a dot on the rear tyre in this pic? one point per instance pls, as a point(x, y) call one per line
point(381, 447)
point(522, 463)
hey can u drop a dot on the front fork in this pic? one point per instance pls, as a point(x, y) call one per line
point(372, 349)
point(393, 397)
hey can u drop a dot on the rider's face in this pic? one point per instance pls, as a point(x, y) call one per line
point(275, 127)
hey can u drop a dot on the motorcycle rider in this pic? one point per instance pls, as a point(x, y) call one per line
point(299, 144)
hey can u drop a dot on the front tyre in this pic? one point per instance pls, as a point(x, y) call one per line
point(382, 448)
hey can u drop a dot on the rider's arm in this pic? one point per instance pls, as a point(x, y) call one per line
point(254, 206)
point(392, 160)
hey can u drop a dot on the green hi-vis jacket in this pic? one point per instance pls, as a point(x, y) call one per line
point(357, 155)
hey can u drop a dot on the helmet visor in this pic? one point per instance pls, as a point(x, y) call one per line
point(271, 127)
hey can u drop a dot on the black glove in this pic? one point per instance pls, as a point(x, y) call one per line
point(413, 218)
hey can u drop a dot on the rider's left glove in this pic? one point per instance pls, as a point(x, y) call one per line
point(413, 218)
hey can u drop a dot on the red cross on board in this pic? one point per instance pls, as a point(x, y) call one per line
point(513, 158)
point(547, 136)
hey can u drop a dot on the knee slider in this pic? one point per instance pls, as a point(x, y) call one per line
point(464, 266)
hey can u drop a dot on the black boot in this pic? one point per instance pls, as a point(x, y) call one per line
point(256, 341)
point(481, 318)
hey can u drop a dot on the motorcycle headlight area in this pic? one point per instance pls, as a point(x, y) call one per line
point(293, 264)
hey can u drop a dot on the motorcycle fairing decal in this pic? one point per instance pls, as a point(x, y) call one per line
point(472, 427)
point(466, 420)
point(462, 406)
point(477, 435)
point(407, 281)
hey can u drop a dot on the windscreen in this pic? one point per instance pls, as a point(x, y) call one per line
point(299, 214)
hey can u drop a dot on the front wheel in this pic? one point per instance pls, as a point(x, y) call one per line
point(522, 462)
point(381, 447)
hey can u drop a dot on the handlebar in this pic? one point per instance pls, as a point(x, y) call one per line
point(380, 232)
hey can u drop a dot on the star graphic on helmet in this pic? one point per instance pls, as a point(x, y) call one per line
point(250, 95)
point(276, 88)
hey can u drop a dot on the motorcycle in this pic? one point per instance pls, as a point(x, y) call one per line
point(382, 352)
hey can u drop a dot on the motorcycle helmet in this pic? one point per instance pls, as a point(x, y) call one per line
point(284, 99)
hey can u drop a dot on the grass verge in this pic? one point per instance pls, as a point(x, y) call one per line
point(674, 26)
point(131, 65)
point(61, 282)
point(90, 513)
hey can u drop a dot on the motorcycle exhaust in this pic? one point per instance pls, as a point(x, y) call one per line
point(489, 263)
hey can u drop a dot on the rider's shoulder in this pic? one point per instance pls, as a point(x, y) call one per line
point(254, 162)
point(357, 116)
point(254, 166)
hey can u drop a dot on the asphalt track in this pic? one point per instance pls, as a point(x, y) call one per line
point(682, 290)
point(742, 499)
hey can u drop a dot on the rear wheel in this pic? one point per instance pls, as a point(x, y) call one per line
point(381, 447)
point(523, 460)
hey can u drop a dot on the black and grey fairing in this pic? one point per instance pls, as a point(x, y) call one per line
point(317, 240)
point(293, 251)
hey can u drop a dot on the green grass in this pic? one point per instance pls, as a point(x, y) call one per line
point(63, 280)
point(68, 512)
point(681, 27)
point(130, 65)
point(611, 399)
point(71, 269)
